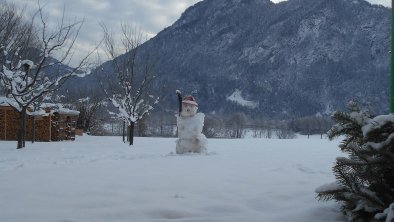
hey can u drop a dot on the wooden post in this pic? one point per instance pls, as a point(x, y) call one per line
point(128, 133)
point(50, 127)
point(33, 133)
point(24, 128)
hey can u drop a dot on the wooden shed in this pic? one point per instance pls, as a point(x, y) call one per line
point(49, 124)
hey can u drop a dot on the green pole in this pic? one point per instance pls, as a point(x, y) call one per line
point(392, 61)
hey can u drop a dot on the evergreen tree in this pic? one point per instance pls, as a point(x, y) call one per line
point(365, 178)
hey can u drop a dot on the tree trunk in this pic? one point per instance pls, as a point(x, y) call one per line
point(87, 125)
point(21, 131)
point(308, 133)
point(124, 126)
point(131, 133)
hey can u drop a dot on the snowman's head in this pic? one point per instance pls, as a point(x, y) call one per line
point(189, 106)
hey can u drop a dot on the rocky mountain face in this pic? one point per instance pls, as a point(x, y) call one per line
point(292, 59)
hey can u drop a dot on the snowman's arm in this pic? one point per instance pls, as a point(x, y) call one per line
point(178, 93)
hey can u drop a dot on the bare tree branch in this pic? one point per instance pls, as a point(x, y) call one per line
point(28, 77)
point(129, 93)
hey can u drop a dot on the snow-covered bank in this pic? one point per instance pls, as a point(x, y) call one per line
point(102, 179)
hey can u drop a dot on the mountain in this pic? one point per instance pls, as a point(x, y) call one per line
point(291, 59)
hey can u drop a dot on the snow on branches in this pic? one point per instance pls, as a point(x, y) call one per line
point(128, 85)
point(28, 68)
point(365, 178)
point(26, 81)
point(130, 108)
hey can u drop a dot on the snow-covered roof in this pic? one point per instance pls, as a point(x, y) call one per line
point(55, 108)
point(65, 111)
point(58, 108)
point(4, 101)
point(40, 112)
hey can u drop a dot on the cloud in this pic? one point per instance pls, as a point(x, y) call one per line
point(151, 16)
point(386, 3)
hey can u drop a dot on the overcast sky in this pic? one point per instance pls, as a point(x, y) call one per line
point(151, 16)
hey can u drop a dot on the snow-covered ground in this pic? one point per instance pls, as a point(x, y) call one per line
point(97, 179)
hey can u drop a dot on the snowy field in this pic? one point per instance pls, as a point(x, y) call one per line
point(96, 179)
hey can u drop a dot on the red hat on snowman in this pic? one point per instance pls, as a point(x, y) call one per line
point(189, 100)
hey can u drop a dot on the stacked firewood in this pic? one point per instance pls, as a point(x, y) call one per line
point(63, 127)
point(12, 124)
point(2, 124)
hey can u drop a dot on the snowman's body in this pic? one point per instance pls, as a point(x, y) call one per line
point(190, 125)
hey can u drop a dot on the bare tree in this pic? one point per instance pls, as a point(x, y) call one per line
point(237, 122)
point(213, 126)
point(88, 102)
point(162, 124)
point(285, 133)
point(16, 36)
point(142, 127)
point(132, 75)
point(29, 78)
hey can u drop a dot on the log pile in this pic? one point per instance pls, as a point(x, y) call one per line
point(3, 128)
point(53, 127)
point(11, 124)
point(42, 128)
point(63, 127)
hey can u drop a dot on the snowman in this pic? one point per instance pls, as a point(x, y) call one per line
point(190, 124)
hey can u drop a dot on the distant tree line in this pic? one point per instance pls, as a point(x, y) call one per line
point(237, 125)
